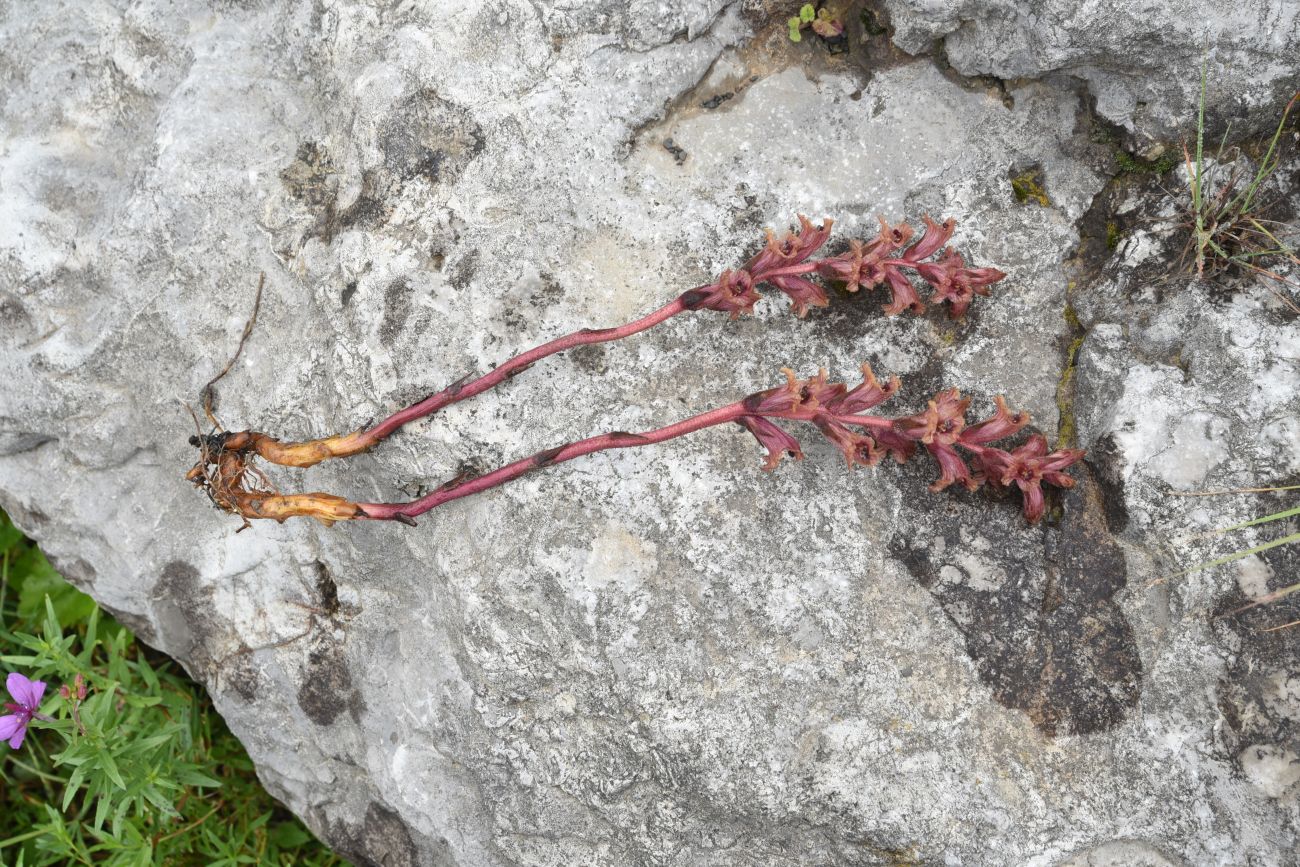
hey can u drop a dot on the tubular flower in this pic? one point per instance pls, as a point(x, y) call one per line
point(859, 449)
point(956, 284)
point(942, 422)
point(777, 442)
point(938, 429)
point(792, 248)
point(905, 297)
point(868, 264)
point(804, 294)
point(732, 293)
point(1003, 423)
point(935, 236)
point(1028, 467)
point(865, 396)
point(798, 399)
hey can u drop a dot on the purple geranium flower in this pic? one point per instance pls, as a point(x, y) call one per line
point(27, 695)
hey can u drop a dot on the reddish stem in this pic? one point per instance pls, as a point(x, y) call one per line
point(462, 390)
point(404, 512)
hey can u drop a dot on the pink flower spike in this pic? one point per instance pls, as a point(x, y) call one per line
point(27, 695)
point(777, 442)
point(936, 235)
point(1002, 423)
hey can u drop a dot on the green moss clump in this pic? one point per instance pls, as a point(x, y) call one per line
point(1113, 234)
point(1128, 164)
point(1028, 187)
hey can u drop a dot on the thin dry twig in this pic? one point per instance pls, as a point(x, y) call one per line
point(205, 393)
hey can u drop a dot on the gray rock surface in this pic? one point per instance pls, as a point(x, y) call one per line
point(654, 656)
point(1141, 61)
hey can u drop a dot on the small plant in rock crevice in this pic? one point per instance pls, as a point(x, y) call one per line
point(823, 22)
point(964, 453)
point(1228, 218)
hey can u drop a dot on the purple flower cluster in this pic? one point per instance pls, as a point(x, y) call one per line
point(840, 414)
point(786, 263)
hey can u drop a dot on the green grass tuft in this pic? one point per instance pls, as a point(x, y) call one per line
point(144, 770)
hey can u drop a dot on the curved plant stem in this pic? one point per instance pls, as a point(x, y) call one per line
point(457, 488)
point(311, 452)
point(463, 390)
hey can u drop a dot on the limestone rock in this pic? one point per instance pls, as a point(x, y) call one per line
point(653, 656)
point(1141, 61)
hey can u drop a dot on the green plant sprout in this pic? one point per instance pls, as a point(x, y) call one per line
point(1226, 219)
point(823, 22)
point(797, 22)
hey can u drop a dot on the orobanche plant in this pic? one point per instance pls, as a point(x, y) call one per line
point(964, 452)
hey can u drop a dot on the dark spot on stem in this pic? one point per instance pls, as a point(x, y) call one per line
point(541, 459)
point(692, 299)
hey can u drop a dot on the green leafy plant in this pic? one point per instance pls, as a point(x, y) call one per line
point(124, 762)
point(822, 21)
point(1227, 217)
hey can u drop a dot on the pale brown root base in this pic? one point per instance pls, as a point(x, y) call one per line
point(303, 454)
